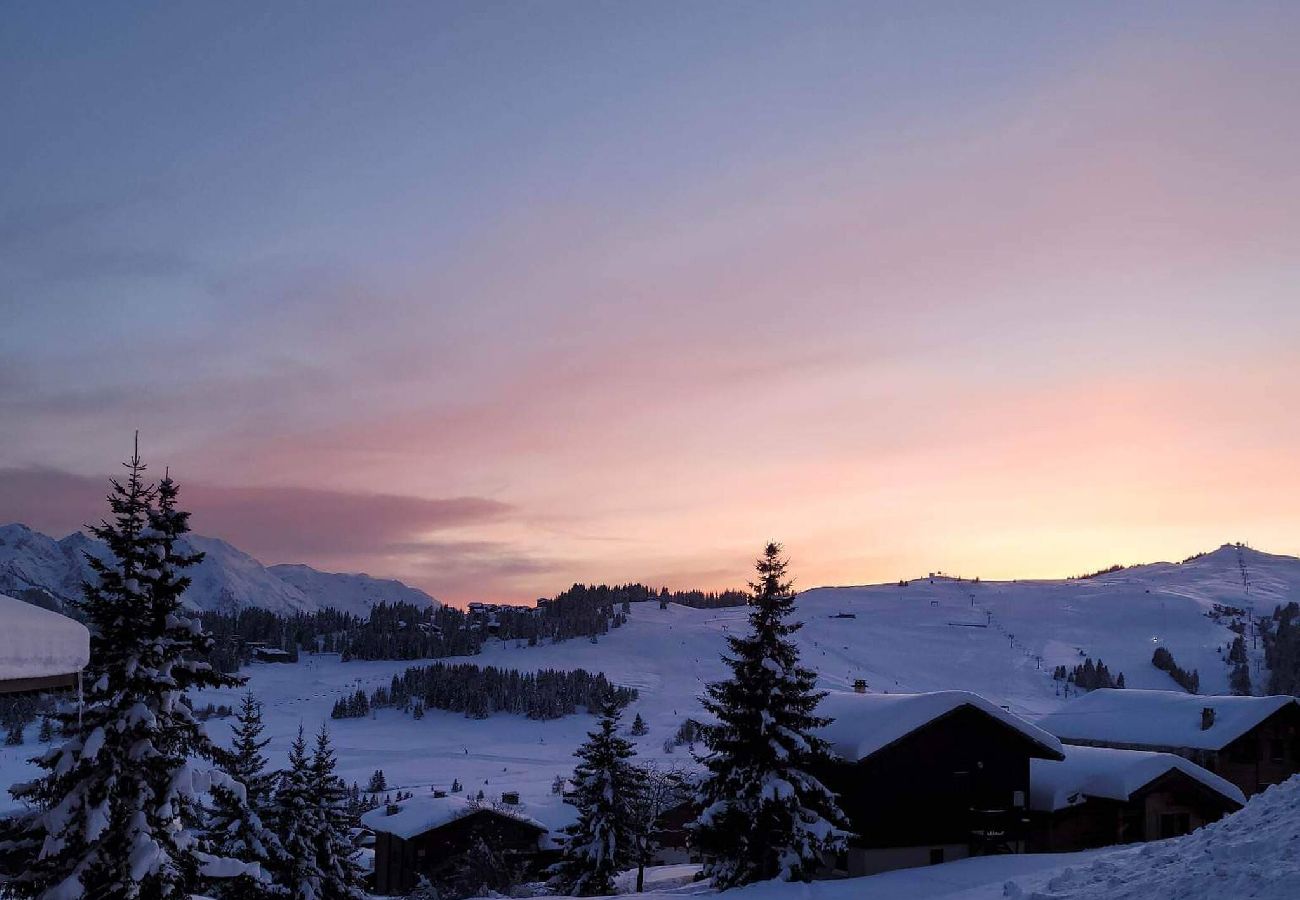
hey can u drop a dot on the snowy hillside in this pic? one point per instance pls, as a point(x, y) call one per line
point(915, 638)
point(227, 578)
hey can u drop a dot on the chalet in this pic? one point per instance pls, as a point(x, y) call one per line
point(39, 649)
point(929, 778)
point(426, 835)
point(1099, 796)
point(1252, 742)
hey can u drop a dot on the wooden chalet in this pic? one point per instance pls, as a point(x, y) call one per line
point(1099, 796)
point(40, 650)
point(930, 778)
point(1252, 742)
point(426, 836)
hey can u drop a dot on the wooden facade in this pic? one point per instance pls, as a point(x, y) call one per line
point(1265, 755)
point(399, 862)
point(1171, 805)
point(955, 787)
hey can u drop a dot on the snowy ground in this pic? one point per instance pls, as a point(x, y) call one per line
point(914, 638)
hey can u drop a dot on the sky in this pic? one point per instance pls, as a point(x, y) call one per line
point(493, 298)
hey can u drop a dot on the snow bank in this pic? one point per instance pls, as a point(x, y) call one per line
point(1254, 853)
point(1159, 718)
point(864, 723)
point(38, 643)
point(1110, 774)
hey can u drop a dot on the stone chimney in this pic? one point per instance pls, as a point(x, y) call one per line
point(1207, 717)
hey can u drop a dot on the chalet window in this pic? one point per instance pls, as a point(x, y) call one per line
point(1175, 824)
point(936, 856)
point(1018, 799)
point(1277, 750)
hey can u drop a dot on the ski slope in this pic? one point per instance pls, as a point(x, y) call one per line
point(919, 637)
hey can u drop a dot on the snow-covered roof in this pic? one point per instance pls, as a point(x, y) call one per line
point(38, 643)
point(865, 723)
point(1111, 774)
point(422, 814)
point(1159, 718)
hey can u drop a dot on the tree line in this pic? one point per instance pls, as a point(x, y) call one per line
point(1163, 660)
point(1281, 637)
point(480, 692)
point(1088, 676)
point(410, 631)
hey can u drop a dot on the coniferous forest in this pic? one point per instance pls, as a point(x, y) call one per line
point(480, 692)
point(407, 631)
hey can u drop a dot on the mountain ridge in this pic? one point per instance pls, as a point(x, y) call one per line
point(226, 580)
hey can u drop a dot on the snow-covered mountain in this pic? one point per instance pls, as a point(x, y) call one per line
point(343, 591)
point(32, 563)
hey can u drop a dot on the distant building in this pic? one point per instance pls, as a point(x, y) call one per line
point(1252, 742)
point(930, 778)
point(39, 650)
point(1099, 796)
point(425, 836)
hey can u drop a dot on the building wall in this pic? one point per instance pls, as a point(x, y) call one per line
point(399, 863)
point(864, 861)
point(934, 788)
point(1099, 822)
point(1266, 755)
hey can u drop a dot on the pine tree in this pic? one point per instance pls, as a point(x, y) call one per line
point(602, 842)
point(239, 823)
point(340, 875)
point(116, 813)
point(639, 727)
point(297, 825)
point(378, 783)
point(477, 872)
point(764, 814)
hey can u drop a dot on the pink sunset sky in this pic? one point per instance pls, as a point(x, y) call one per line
point(496, 298)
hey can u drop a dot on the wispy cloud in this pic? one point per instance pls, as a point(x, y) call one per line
point(275, 524)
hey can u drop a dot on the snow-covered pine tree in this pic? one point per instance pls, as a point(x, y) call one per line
point(602, 842)
point(764, 815)
point(116, 813)
point(479, 871)
point(239, 823)
point(340, 874)
point(297, 824)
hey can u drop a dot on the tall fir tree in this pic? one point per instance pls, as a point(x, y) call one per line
point(602, 842)
point(764, 814)
point(117, 811)
point(239, 822)
point(297, 825)
point(340, 874)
